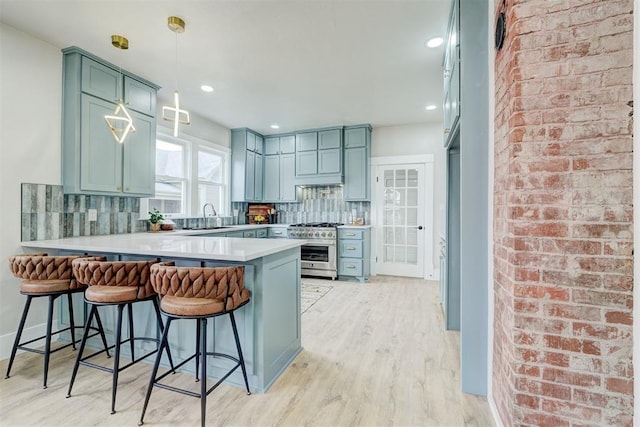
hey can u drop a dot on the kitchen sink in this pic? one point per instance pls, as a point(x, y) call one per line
point(205, 228)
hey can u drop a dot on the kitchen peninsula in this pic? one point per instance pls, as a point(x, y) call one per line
point(269, 326)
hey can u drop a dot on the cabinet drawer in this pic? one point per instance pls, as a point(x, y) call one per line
point(100, 80)
point(350, 267)
point(250, 234)
point(139, 96)
point(351, 248)
point(307, 141)
point(277, 232)
point(235, 234)
point(262, 233)
point(348, 233)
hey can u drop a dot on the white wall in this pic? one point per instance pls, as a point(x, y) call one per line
point(30, 126)
point(414, 140)
point(199, 127)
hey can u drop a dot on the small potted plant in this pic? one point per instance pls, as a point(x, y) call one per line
point(155, 218)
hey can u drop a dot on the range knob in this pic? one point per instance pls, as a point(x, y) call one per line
point(330, 234)
point(323, 234)
point(316, 234)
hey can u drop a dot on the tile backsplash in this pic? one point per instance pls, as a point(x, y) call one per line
point(48, 213)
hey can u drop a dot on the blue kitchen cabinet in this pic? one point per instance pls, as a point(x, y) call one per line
point(277, 232)
point(92, 161)
point(279, 169)
point(246, 166)
point(354, 253)
point(271, 177)
point(357, 163)
point(288, 191)
point(319, 157)
point(451, 64)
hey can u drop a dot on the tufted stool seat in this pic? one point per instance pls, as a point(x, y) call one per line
point(198, 294)
point(46, 276)
point(120, 284)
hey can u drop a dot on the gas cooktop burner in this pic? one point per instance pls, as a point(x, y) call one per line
point(317, 224)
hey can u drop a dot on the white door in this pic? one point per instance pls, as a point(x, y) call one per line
point(400, 196)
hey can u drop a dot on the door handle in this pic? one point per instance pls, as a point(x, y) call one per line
point(419, 227)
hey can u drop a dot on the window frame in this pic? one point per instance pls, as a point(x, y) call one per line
point(191, 146)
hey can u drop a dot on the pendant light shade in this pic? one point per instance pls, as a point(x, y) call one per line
point(174, 113)
point(120, 122)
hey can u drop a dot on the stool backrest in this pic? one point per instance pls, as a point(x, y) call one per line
point(44, 267)
point(222, 283)
point(97, 272)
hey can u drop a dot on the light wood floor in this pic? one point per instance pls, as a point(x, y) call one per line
point(374, 354)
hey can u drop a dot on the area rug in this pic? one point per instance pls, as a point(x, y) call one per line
point(312, 291)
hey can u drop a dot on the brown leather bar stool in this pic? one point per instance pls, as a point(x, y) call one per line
point(198, 294)
point(120, 284)
point(46, 276)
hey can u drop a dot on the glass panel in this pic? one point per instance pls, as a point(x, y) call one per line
point(399, 217)
point(209, 167)
point(388, 254)
point(388, 178)
point(412, 236)
point(388, 236)
point(388, 217)
point(412, 197)
point(169, 159)
point(412, 255)
point(389, 197)
point(400, 254)
point(401, 199)
point(412, 178)
point(400, 234)
point(412, 216)
point(401, 180)
point(169, 197)
point(210, 193)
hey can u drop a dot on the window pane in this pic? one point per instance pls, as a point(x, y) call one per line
point(169, 197)
point(209, 167)
point(169, 159)
point(210, 193)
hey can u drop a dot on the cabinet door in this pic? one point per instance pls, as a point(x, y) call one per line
point(329, 139)
point(287, 144)
point(287, 175)
point(271, 178)
point(251, 141)
point(306, 163)
point(330, 161)
point(258, 177)
point(356, 178)
point(100, 80)
point(100, 154)
point(250, 176)
point(259, 144)
point(307, 141)
point(355, 138)
point(139, 96)
point(271, 145)
point(139, 172)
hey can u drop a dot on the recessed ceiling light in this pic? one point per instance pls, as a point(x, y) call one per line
point(274, 126)
point(206, 88)
point(430, 107)
point(435, 42)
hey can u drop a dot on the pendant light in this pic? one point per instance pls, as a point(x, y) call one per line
point(120, 122)
point(175, 113)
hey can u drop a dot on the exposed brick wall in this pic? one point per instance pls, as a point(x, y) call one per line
point(563, 232)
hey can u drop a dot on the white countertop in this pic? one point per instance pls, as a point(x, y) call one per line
point(173, 244)
point(354, 226)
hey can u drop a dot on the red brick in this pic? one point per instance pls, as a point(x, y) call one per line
point(571, 378)
point(572, 410)
point(528, 401)
point(541, 419)
point(556, 359)
point(604, 299)
point(572, 311)
point(621, 317)
point(597, 331)
point(572, 344)
point(564, 278)
point(619, 385)
point(546, 292)
point(548, 229)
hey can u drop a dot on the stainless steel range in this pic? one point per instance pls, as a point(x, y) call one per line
point(319, 254)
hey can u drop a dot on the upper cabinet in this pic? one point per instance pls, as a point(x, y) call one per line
point(92, 161)
point(319, 157)
point(357, 163)
point(247, 148)
point(279, 169)
point(451, 64)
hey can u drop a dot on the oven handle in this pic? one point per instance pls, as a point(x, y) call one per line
point(318, 244)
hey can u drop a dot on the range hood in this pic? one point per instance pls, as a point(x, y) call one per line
point(319, 179)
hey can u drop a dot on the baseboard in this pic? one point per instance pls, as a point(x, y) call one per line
point(494, 411)
point(6, 341)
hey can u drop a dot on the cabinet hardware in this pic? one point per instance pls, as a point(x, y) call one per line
point(350, 234)
point(118, 188)
point(447, 130)
point(351, 266)
point(351, 248)
point(128, 188)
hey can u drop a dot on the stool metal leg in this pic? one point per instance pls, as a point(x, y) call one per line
point(101, 330)
point(203, 372)
point(156, 307)
point(131, 343)
point(47, 339)
point(16, 342)
point(116, 362)
point(72, 322)
point(197, 350)
point(156, 365)
point(240, 357)
point(92, 312)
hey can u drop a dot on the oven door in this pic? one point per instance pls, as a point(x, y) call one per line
point(319, 259)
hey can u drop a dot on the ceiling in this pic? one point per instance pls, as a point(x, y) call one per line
point(300, 64)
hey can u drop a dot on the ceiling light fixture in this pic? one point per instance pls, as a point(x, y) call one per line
point(206, 88)
point(274, 126)
point(120, 122)
point(430, 107)
point(434, 42)
point(175, 113)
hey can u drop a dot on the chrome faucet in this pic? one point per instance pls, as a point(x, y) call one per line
point(204, 212)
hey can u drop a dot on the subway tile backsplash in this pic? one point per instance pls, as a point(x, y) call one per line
point(48, 213)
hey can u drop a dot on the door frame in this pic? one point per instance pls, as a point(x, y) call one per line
point(427, 160)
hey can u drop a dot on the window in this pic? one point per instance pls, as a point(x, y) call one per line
point(189, 173)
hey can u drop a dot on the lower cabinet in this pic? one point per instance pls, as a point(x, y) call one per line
point(354, 253)
point(277, 232)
